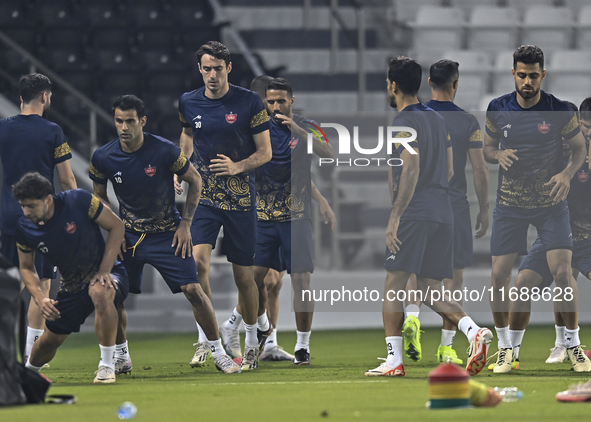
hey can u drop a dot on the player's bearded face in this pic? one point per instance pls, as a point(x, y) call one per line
point(279, 102)
point(528, 79)
point(129, 126)
point(391, 95)
point(586, 129)
point(35, 210)
point(48, 101)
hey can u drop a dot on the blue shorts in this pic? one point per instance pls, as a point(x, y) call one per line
point(239, 232)
point(463, 243)
point(285, 245)
point(426, 250)
point(536, 260)
point(10, 253)
point(510, 224)
point(155, 249)
point(76, 307)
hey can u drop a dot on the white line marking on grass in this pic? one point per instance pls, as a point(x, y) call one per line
point(293, 382)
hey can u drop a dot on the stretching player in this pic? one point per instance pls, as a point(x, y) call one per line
point(140, 167)
point(534, 270)
point(65, 228)
point(530, 125)
point(419, 236)
point(226, 131)
point(466, 140)
point(284, 227)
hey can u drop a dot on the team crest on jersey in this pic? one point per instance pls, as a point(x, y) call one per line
point(293, 143)
point(583, 176)
point(231, 118)
point(150, 170)
point(544, 128)
point(71, 227)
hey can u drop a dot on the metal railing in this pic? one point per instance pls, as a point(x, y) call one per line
point(94, 111)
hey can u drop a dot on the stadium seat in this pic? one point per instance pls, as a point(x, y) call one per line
point(25, 37)
point(60, 60)
point(103, 15)
point(58, 14)
point(157, 39)
point(159, 60)
point(568, 71)
point(13, 14)
point(191, 15)
point(13, 62)
point(522, 5)
point(437, 29)
point(492, 29)
point(172, 83)
point(575, 5)
point(114, 60)
point(583, 34)
point(468, 5)
point(502, 79)
point(120, 82)
point(149, 16)
point(105, 39)
point(474, 76)
point(73, 39)
point(406, 11)
point(549, 28)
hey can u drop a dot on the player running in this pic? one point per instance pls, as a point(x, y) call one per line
point(529, 125)
point(419, 235)
point(466, 140)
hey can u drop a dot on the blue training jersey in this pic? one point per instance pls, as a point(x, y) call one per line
point(284, 184)
point(27, 143)
point(70, 240)
point(579, 204)
point(430, 200)
point(464, 131)
point(143, 181)
point(224, 126)
point(536, 134)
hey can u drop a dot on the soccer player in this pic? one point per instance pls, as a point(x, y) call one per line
point(226, 131)
point(419, 235)
point(273, 281)
point(534, 270)
point(28, 142)
point(284, 227)
point(530, 125)
point(65, 228)
point(140, 167)
point(466, 140)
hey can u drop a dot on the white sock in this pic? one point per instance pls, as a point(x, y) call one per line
point(303, 341)
point(33, 368)
point(32, 335)
point(233, 323)
point(412, 310)
point(572, 338)
point(560, 336)
point(202, 336)
point(263, 322)
point(122, 350)
point(107, 353)
point(447, 337)
point(516, 339)
point(394, 351)
point(216, 347)
point(272, 339)
point(251, 335)
point(504, 338)
point(468, 327)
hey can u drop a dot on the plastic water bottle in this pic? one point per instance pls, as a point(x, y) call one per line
point(127, 410)
point(510, 394)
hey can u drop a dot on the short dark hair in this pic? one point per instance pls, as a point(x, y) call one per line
point(32, 186)
point(259, 84)
point(528, 54)
point(33, 85)
point(443, 73)
point(215, 49)
point(130, 102)
point(572, 105)
point(407, 74)
point(585, 109)
point(280, 84)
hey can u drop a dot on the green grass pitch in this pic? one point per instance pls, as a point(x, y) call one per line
point(165, 389)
